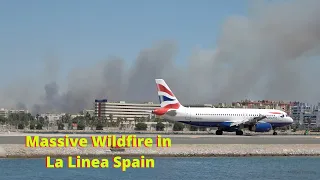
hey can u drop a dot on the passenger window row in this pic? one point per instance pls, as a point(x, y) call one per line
point(253, 115)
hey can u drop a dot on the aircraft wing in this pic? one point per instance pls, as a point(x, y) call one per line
point(249, 121)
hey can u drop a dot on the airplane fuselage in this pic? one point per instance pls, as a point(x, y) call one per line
point(222, 117)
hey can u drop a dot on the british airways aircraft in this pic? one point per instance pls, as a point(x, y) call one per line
point(226, 119)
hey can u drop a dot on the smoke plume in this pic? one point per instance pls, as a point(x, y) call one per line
point(270, 54)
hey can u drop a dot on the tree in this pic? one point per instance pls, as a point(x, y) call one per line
point(136, 119)
point(13, 119)
point(178, 126)
point(159, 126)
point(202, 128)
point(99, 125)
point(118, 122)
point(21, 126)
point(87, 118)
point(80, 125)
point(80, 121)
point(66, 118)
point(37, 116)
point(3, 120)
point(93, 122)
point(41, 120)
point(141, 126)
point(309, 122)
point(46, 122)
point(157, 119)
point(111, 117)
point(142, 119)
point(60, 126)
point(193, 128)
point(124, 120)
point(39, 126)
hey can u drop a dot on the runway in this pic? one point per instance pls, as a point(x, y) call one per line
point(190, 139)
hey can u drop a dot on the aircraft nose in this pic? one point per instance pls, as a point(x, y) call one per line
point(290, 119)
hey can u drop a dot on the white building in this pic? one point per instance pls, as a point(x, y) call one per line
point(302, 113)
point(317, 114)
point(5, 112)
point(89, 111)
point(75, 115)
point(52, 117)
point(123, 109)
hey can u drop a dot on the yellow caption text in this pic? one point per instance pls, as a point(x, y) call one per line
point(118, 162)
point(97, 141)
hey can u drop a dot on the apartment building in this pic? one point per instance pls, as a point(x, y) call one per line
point(52, 117)
point(6, 112)
point(304, 113)
point(123, 109)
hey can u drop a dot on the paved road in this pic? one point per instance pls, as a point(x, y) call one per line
point(197, 139)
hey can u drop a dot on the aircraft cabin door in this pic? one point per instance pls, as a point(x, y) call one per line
point(245, 116)
point(188, 114)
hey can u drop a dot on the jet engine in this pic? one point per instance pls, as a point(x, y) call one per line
point(261, 127)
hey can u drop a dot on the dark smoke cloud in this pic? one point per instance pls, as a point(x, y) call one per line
point(271, 54)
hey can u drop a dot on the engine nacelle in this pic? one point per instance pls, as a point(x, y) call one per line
point(261, 127)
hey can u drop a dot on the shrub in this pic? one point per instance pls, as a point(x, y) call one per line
point(178, 126)
point(141, 126)
point(60, 126)
point(160, 126)
point(20, 126)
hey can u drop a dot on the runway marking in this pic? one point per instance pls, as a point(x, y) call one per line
point(318, 137)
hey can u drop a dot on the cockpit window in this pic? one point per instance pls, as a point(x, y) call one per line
point(282, 116)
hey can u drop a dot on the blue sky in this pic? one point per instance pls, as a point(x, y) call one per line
point(81, 33)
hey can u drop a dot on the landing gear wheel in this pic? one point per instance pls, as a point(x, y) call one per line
point(239, 132)
point(275, 133)
point(219, 132)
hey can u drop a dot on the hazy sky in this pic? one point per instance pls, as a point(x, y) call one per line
point(80, 33)
point(61, 55)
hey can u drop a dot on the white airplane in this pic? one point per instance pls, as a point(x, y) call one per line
point(226, 119)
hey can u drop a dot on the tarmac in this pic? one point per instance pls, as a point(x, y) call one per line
point(19, 138)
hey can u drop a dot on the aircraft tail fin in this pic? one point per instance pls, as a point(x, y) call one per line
point(166, 97)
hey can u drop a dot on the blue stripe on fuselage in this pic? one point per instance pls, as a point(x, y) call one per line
point(224, 124)
point(280, 124)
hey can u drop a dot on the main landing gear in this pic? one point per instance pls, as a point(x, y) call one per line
point(219, 132)
point(274, 132)
point(239, 132)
